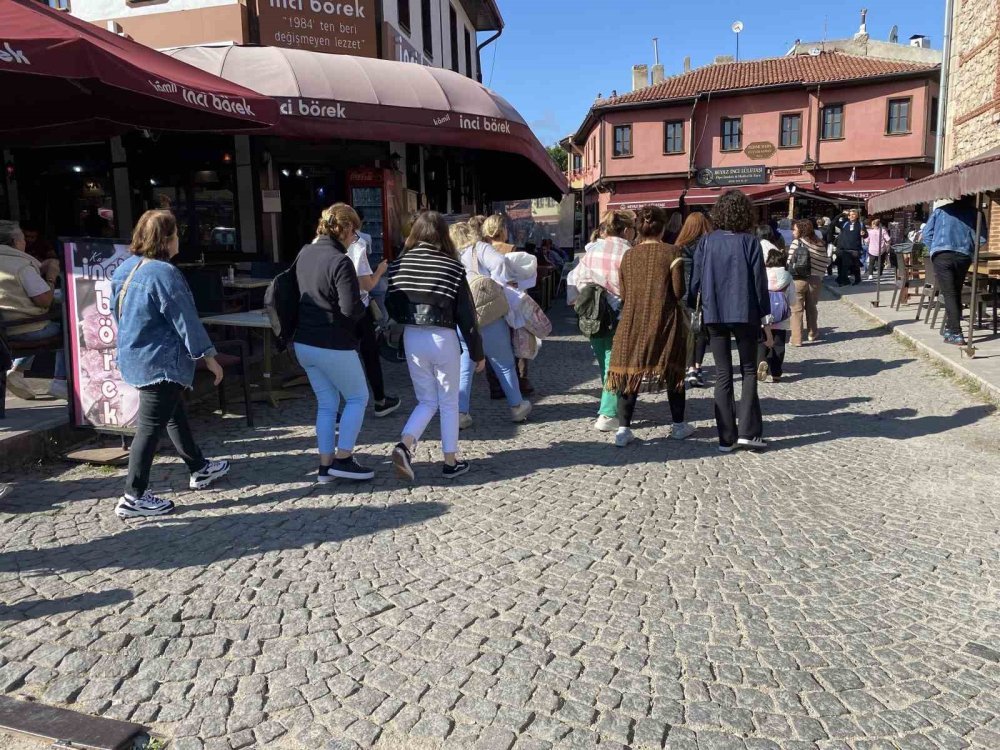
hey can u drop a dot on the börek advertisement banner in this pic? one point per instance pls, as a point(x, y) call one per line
point(99, 398)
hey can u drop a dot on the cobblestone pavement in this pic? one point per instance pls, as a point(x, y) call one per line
point(841, 591)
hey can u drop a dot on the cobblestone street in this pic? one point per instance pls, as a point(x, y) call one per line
point(840, 591)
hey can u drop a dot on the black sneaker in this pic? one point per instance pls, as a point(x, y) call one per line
point(401, 462)
point(752, 444)
point(460, 468)
point(386, 407)
point(323, 476)
point(348, 468)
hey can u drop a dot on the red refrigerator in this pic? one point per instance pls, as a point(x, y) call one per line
point(378, 194)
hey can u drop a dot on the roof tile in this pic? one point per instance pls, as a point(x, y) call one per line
point(827, 67)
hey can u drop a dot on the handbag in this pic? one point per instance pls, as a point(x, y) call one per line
point(487, 295)
point(696, 318)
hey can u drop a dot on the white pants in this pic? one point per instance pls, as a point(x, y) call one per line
point(434, 357)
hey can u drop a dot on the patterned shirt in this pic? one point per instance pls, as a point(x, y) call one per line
point(601, 265)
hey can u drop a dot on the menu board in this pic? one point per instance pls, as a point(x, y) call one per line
point(339, 28)
point(99, 398)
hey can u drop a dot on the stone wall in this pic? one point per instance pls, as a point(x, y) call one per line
point(974, 99)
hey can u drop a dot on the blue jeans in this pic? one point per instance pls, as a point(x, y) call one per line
point(52, 328)
point(500, 354)
point(334, 373)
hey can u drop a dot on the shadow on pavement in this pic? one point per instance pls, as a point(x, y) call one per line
point(35, 608)
point(203, 540)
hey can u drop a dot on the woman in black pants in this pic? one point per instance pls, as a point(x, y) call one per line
point(696, 226)
point(159, 339)
point(729, 274)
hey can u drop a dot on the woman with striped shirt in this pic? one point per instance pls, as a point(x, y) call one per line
point(428, 293)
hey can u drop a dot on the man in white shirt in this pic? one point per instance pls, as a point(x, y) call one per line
point(367, 279)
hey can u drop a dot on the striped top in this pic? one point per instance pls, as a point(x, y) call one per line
point(426, 276)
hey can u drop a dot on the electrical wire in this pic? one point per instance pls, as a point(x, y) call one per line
point(493, 64)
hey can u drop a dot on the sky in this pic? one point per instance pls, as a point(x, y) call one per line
point(555, 56)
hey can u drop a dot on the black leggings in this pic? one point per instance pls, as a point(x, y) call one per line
point(161, 408)
point(369, 355)
point(697, 356)
point(626, 406)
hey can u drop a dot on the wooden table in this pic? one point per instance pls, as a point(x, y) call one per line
point(246, 283)
point(255, 320)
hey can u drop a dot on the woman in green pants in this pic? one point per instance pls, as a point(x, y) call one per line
point(600, 266)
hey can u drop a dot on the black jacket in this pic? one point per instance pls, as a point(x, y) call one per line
point(330, 299)
point(428, 288)
point(851, 236)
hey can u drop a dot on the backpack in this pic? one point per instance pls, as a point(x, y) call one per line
point(487, 295)
point(594, 314)
point(779, 306)
point(281, 302)
point(801, 261)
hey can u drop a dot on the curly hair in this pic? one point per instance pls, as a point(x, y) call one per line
point(650, 222)
point(806, 229)
point(733, 212)
point(337, 221)
point(495, 228)
point(152, 235)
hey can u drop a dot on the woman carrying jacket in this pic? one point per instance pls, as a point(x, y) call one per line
point(429, 294)
point(729, 274)
point(601, 266)
point(327, 342)
point(159, 338)
point(696, 226)
point(479, 258)
point(650, 346)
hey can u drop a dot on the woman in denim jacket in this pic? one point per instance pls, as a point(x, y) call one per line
point(159, 338)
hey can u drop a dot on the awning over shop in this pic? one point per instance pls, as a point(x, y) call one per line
point(326, 96)
point(861, 189)
point(697, 196)
point(64, 79)
point(968, 178)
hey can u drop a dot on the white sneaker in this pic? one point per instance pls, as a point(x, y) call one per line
point(681, 430)
point(17, 385)
point(520, 412)
point(763, 370)
point(464, 421)
point(213, 470)
point(623, 437)
point(871, 277)
point(58, 389)
point(753, 444)
point(606, 424)
point(147, 505)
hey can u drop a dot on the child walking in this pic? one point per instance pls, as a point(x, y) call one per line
point(781, 288)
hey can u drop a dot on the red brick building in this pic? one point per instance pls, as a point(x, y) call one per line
point(839, 126)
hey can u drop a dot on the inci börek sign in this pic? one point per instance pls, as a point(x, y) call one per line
point(340, 28)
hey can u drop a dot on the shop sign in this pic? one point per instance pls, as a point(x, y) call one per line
point(760, 150)
point(270, 201)
point(732, 176)
point(99, 398)
point(398, 47)
point(786, 171)
point(347, 28)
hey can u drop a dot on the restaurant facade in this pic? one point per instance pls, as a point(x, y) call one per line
point(380, 107)
point(838, 127)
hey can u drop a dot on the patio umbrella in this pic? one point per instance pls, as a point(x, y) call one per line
point(66, 79)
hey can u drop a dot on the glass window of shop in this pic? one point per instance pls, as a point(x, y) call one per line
point(195, 178)
point(65, 191)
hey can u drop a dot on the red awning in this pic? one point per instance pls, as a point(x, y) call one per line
point(632, 201)
point(979, 175)
point(66, 79)
point(861, 188)
point(326, 96)
point(694, 196)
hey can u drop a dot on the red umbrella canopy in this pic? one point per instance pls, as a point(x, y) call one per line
point(64, 77)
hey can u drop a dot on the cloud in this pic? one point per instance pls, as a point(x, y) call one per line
point(547, 127)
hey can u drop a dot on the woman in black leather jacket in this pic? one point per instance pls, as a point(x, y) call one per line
point(429, 294)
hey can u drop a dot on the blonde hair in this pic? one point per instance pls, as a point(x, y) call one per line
point(495, 228)
point(338, 220)
point(152, 235)
point(462, 235)
point(476, 225)
point(615, 222)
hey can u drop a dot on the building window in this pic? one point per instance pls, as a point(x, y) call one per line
point(404, 14)
point(468, 55)
point(453, 17)
point(59, 5)
point(833, 122)
point(732, 133)
point(673, 137)
point(934, 114)
point(577, 162)
point(898, 120)
point(623, 141)
point(791, 131)
point(427, 23)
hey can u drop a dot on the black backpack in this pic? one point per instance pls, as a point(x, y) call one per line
point(281, 301)
point(801, 266)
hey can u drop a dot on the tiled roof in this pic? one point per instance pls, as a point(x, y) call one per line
point(827, 67)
